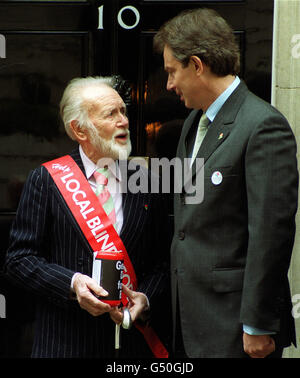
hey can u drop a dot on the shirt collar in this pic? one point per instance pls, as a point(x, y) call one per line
point(214, 108)
point(90, 167)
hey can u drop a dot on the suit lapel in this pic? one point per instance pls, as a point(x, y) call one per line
point(187, 133)
point(220, 128)
point(70, 218)
point(215, 136)
point(76, 157)
point(134, 208)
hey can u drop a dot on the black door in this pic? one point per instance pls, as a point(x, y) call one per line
point(44, 44)
point(157, 114)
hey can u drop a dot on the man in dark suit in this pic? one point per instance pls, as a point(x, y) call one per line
point(50, 255)
point(230, 253)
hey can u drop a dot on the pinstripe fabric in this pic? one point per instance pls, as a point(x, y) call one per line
point(47, 248)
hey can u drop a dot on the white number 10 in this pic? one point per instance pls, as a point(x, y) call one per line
point(120, 20)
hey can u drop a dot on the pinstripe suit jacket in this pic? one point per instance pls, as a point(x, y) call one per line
point(47, 248)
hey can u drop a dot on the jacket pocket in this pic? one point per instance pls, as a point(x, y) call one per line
point(228, 279)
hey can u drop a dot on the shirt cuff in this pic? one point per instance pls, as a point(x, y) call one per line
point(256, 331)
point(73, 296)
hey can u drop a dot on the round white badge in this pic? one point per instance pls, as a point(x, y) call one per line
point(216, 178)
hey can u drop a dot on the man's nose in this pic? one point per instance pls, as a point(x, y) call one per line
point(170, 85)
point(123, 121)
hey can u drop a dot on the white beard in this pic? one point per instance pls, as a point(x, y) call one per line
point(110, 148)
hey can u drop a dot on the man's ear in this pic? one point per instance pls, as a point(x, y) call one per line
point(78, 132)
point(197, 63)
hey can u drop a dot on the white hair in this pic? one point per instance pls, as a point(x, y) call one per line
point(72, 105)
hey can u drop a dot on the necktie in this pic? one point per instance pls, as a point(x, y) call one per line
point(202, 128)
point(105, 198)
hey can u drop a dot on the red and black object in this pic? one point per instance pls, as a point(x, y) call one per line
point(108, 272)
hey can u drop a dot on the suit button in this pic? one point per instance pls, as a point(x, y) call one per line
point(181, 235)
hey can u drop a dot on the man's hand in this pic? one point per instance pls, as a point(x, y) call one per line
point(137, 305)
point(84, 287)
point(258, 346)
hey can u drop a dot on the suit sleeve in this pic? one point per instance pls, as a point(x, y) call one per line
point(272, 190)
point(27, 263)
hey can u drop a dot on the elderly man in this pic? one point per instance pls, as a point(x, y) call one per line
point(50, 253)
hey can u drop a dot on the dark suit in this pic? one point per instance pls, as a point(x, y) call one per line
point(47, 247)
point(230, 254)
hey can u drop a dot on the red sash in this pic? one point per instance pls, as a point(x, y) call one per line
point(97, 228)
